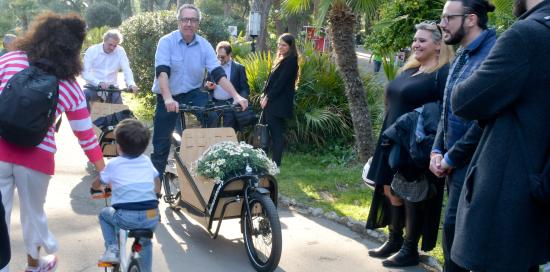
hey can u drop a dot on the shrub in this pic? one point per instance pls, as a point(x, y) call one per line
point(241, 47)
point(103, 14)
point(214, 28)
point(141, 35)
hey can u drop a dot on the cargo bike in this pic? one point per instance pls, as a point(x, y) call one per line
point(108, 115)
point(248, 196)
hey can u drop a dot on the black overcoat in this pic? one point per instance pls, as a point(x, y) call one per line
point(280, 88)
point(498, 225)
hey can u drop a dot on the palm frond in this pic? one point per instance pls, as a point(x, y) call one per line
point(503, 5)
point(367, 7)
point(296, 6)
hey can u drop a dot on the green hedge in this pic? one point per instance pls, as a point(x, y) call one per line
point(103, 14)
point(141, 35)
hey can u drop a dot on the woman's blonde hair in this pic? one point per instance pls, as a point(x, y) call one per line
point(446, 53)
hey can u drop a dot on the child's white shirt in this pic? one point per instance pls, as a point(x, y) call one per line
point(132, 179)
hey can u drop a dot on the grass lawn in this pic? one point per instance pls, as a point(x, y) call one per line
point(315, 181)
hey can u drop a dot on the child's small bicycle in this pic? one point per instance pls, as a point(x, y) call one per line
point(129, 260)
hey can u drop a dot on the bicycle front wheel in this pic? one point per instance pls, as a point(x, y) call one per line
point(262, 233)
point(134, 266)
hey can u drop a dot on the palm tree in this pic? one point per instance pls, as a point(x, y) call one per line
point(503, 16)
point(341, 17)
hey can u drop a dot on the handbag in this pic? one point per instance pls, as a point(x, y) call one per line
point(261, 134)
point(412, 191)
point(245, 118)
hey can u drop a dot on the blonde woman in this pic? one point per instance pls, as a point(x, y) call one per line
point(421, 80)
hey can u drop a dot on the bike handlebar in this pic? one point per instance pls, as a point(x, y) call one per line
point(208, 108)
point(111, 89)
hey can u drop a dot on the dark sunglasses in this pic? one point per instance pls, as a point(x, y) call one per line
point(434, 24)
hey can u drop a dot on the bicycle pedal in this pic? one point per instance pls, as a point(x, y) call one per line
point(101, 196)
point(104, 264)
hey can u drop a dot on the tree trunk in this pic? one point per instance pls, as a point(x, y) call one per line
point(279, 25)
point(293, 26)
point(342, 23)
point(264, 8)
point(226, 9)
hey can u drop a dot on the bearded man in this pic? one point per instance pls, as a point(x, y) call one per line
point(464, 23)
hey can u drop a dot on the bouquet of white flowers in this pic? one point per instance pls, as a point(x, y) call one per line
point(224, 160)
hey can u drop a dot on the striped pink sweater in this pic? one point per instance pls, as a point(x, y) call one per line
point(71, 101)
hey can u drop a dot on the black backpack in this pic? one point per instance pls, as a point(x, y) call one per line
point(27, 106)
point(108, 122)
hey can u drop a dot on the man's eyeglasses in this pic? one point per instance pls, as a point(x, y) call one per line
point(445, 17)
point(189, 20)
point(221, 57)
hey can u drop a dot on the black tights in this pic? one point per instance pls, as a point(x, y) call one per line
point(276, 127)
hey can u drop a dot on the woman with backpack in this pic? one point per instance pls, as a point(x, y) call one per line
point(52, 44)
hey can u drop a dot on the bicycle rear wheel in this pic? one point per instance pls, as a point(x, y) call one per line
point(262, 233)
point(172, 194)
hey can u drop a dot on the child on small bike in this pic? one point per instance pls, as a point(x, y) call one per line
point(135, 184)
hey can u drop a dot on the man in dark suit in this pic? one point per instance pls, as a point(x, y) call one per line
point(499, 225)
point(237, 75)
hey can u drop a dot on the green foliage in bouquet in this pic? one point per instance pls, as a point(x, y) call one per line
point(228, 159)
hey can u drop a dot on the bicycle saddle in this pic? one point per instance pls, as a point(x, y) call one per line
point(141, 233)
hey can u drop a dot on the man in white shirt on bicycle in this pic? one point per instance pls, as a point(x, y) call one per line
point(102, 62)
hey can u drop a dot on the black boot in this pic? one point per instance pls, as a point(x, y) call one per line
point(408, 254)
point(395, 239)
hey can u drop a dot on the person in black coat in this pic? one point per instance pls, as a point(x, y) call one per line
point(499, 227)
point(422, 80)
point(278, 98)
point(236, 73)
point(5, 251)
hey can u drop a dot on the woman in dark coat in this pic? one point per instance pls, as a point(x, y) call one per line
point(422, 80)
point(499, 227)
point(278, 99)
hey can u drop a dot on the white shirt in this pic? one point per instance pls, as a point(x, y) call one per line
point(102, 67)
point(219, 92)
point(131, 179)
